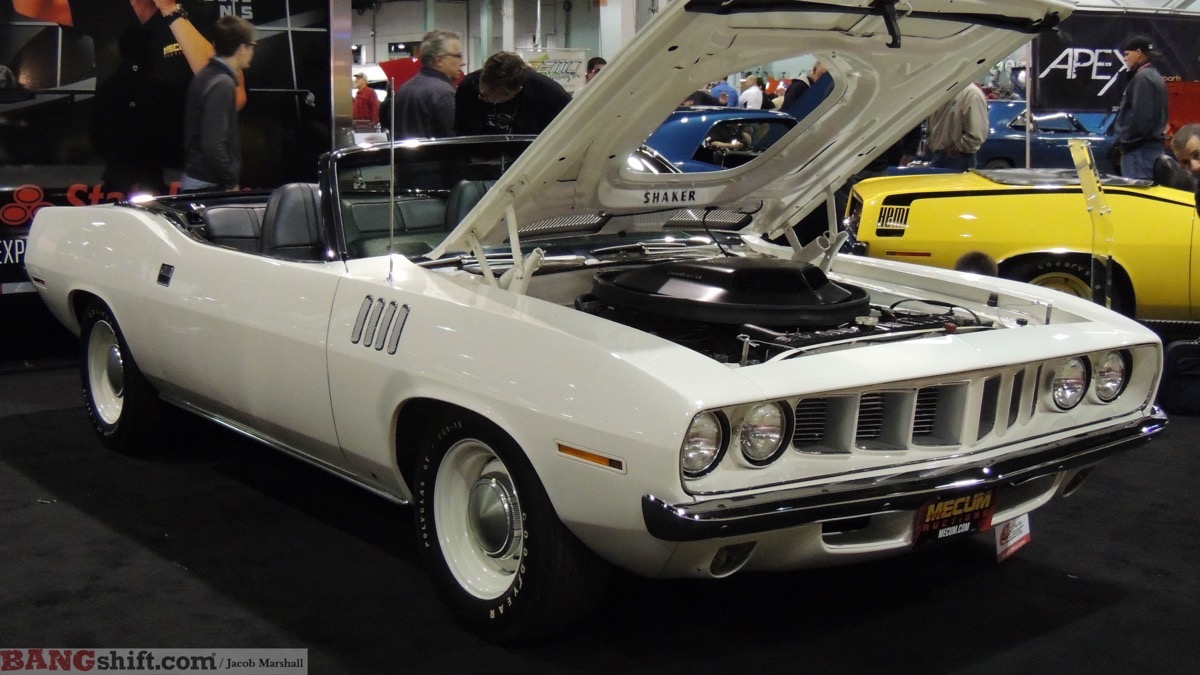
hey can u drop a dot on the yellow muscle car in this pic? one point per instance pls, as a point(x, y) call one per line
point(1037, 226)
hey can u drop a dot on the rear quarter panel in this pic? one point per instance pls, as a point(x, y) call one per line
point(232, 333)
point(106, 251)
point(956, 214)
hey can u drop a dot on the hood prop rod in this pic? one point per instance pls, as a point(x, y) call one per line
point(887, 9)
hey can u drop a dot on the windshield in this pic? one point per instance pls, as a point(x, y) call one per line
point(436, 184)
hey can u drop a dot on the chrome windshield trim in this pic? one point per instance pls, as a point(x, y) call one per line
point(751, 514)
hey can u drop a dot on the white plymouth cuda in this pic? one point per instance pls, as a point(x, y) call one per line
point(566, 356)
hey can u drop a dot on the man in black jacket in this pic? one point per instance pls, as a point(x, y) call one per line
point(424, 106)
point(212, 148)
point(507, 97)
point(1141, 123)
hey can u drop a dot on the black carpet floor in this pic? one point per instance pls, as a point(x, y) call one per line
point(221, 543)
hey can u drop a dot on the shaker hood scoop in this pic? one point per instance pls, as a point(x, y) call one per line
point(891, 64)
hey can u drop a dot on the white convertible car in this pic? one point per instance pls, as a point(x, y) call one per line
point(565, 357)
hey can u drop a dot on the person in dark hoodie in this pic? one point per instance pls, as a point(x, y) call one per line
point(211, 141)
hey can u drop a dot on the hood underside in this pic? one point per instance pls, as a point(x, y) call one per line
point(890, 63)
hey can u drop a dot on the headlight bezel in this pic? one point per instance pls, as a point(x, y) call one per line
point(1085, 364)
point(784, 428)
point(723, 429)
point(1098, 361)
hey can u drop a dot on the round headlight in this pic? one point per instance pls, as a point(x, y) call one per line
point(702, 445)
point(1070, 383)
point(1112, 369)
point(762, 433)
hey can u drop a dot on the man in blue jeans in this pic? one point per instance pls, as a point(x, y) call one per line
point(1141, 124)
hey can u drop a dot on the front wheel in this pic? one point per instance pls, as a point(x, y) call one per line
point(124, 408)
point(493, 545)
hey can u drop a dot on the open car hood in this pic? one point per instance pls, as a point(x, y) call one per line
point(891, 63)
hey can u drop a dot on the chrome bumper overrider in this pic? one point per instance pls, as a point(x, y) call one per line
point(735, 516)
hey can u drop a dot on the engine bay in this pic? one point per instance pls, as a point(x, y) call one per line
point(746, 311)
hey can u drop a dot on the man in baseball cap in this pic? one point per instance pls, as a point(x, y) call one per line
point(1141, 123)
point(1143, 44)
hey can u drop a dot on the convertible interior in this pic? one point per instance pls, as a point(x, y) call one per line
point(288, 223)
point(433, 188)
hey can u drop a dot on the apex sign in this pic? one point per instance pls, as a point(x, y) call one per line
point(1096, 65)
point(1080, 65)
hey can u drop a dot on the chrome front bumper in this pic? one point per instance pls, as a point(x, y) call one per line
point(751, 514)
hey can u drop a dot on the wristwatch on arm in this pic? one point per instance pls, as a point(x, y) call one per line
point(178, 13)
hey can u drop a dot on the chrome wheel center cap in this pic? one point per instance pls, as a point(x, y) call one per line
point(115, 371)
point(493, 515)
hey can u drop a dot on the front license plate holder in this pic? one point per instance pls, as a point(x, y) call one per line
point(953, 516)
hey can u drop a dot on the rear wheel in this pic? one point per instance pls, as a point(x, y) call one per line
point(124, 408)
point(1071, 276)
point(494, 547)
point(997, 164)
point(1068, 276)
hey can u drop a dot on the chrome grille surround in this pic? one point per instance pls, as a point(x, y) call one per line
point(938, 420)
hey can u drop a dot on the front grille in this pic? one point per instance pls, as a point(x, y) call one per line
point(928, 415)
point(925, 419)
point(987, 407)
point(811, 417)
point(870, 418)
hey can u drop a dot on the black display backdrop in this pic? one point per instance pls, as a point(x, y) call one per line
point(1079, 66)
point(49, 74)
point(48, 106)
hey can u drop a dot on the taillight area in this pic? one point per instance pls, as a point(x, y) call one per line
point(853, 214)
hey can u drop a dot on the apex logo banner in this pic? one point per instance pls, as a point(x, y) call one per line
point(1080, 66)
point(1092, 65)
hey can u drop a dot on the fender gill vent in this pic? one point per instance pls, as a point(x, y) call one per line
point(379, 323)
point(372, 323)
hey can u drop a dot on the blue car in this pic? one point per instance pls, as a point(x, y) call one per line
point(1005, 146)
point(706, 138)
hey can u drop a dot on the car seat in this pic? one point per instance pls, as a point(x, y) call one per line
point(291, 226)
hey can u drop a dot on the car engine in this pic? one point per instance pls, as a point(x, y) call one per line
point(744, 311)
